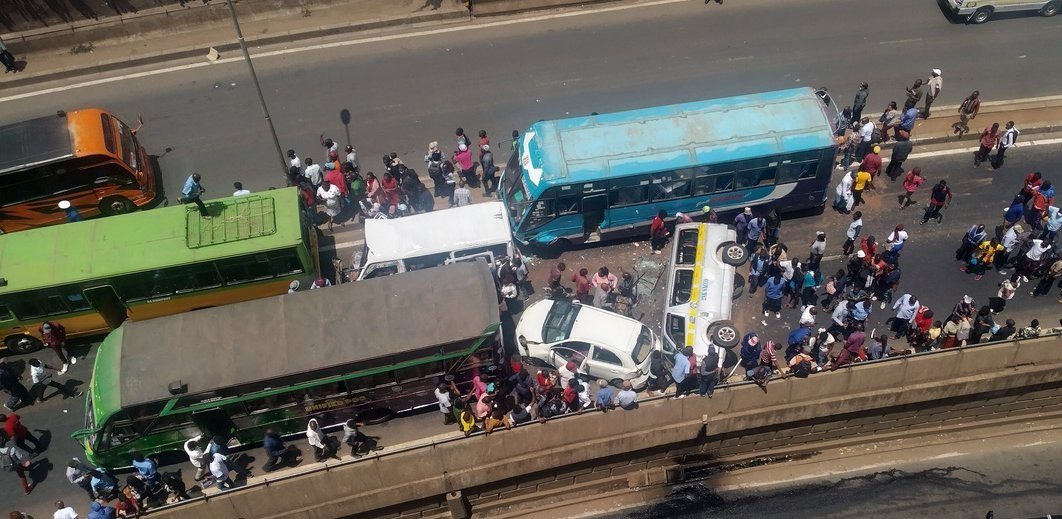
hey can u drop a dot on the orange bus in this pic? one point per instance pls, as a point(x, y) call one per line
point(88, 157)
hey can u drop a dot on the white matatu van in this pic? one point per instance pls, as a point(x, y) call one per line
point(701, 286)
point(437, 238)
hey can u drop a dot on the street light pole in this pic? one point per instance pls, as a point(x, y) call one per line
point(261, 98)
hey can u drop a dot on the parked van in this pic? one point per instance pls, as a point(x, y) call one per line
point(980, 11)
point(432, 239)
point(701, 286)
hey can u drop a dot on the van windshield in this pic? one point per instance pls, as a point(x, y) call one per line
point(643, 346)
point(559, 321)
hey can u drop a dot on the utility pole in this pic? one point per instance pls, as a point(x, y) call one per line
point(261, 98)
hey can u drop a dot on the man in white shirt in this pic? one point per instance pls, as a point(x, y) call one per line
point(64, 512)
point(866, 136)
point(905, 307)
point(42, 378)
point(240, 191)
point(313, 173)
point(933, 87)
point(1008, 139)
point(195, 456)
point(627, 398)
point(446, 403)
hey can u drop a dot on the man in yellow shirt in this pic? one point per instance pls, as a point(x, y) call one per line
point(983, 257)
point(862, 180)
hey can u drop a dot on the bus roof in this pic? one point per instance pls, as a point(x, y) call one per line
point(267, 338)
point(583, 149)
point(146, 240)
point(33, 142)
point(437, 231)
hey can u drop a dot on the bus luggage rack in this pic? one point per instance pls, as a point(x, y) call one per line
point(240, 218)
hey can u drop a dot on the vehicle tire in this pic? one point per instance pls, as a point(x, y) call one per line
point(375, 415)
point(13, 344)
point(1051, 9)
point(981, 15)
point(739, 285)
point(536, 362)
point(113, 205)
point(723, 333)
point(733, 253)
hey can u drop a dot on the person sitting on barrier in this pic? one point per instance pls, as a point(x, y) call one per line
point(605, 399)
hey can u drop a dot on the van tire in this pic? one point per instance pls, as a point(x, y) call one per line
point(739, 286)
point(981, 15)
point(1050, 9)
point(724, 334)
point(113, 205)
point(732, 253)
point(12, 344)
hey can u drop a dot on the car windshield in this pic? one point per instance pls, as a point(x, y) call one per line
point(643, 346)
point(559, 321)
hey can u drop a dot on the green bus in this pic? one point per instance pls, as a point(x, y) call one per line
point(368, 350)
point(93, 275)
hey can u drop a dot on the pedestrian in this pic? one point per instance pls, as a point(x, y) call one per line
point(933, 88)
point(627, 398)
point(894, 243)
point(313, 173)
point(192, 193)
point(872, 162)
point(320, 441)
point(1014, 213)
point(196, 456)
point(850, 145)
point(905, 307)
point(462, 195)
point(989, 138)
point(710, 215)
point(755, 231)
point(357, 440)
point(1033, 258)
point(462, 138)
point(863, 179)
point(239, 190)
point(773, 231)
point(64, 512)
point(463, 160)
point(1052, 274)
point(1008, 288)
point(939, 198)
point(219, 468)
point(860, 101)
point(970, 241)
point(914, 93)
point(773, 290)
point(1007, 140)
point(1032, 184)
point(18, 433)
point(1043, 198)
point(1052, 224)
point(486, 162)
point(41, 374)
point(335, 176)
point(911, 181)
point(53, 335)
point(852, 234)
point(710, 368)
point(741, 224)
point(900, 151)
point(79, 474)
point(605, 398)
point(294, 162)
point(330, 195)
point(759, 262)
point(445, 399)
point(817, 250)
point(10, 65)
point(1011, 243)
point(889, 119)
point(982, 324)
point(907, 120)
point(103, 484)
point(968, 110)
point(843, 200)
point(72, 214)
point(866, 137)
point(274, 449)
point(685, 380)
point(1004, 332)
point(434, 159)
point(582, 286)
point(658, 232)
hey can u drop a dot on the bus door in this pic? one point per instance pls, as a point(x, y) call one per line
point(214, 422)
point(594, 207)
point(106, 302)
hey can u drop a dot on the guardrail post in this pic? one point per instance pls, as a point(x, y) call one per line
point(459, 506)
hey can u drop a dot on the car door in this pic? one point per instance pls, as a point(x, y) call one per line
point(570, 351)
point(605, 363)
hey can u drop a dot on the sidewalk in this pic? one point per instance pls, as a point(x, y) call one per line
point(1030, 116)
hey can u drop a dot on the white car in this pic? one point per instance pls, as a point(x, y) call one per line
point(604, 344)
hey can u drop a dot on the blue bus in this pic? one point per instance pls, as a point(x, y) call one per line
point(604, 176)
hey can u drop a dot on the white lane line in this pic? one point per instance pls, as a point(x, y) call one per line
point(342, 245)
point(909, 40)
point(337, 44)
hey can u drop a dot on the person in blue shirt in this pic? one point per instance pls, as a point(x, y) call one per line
point(147, 467)
point(102, 483)
point(192, 192)
point(72, 215)
point(605, 399)
point(757, 267)
point(773, 290)
point(910, 115)
point(798, 339)
point(861, 310)
point(684, 381)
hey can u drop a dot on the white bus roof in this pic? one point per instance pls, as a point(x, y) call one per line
point(438, 231)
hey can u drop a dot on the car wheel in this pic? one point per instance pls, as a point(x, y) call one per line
point(733, 253)
point(15, 344)
point(617, 383)
point(113, 205)
point(723, 333)
point(981, 15)
point(1050, 9)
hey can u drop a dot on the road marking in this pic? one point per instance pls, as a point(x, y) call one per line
point(343, 245)
point(337, 44)
point(909, 40)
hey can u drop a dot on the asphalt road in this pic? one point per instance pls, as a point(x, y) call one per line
point(404, 93)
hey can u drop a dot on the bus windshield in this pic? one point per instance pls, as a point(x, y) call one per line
point(516, 198)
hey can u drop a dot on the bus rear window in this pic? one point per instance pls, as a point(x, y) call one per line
point(108, 133)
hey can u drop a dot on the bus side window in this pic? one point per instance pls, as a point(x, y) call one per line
point(245, 269)
point(672, 184)
point(75, 300)
point(5, 313)
point(713, 184)
point(568, 204)
point(38, 304)
point(185, 279)
point(755, 177)
point(794, 171)
point(541, 213)
point(620, 196)
point(284, 262)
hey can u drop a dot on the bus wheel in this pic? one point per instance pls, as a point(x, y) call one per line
point(375, 415)
point(113, 205)
point(724, 334)
point(15, 344)
point(733, 254)
point(981, 15)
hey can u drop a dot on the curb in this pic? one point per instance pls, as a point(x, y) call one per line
point(231, 45)
point(1034, 129)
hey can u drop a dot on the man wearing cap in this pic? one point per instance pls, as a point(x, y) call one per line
point(933, 86)
point(710, 215)
point(872, 162)
point(741, 224)
point(53, 335)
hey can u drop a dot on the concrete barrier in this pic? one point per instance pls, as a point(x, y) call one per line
point(995, 381)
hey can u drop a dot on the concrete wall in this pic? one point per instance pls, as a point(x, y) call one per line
point(992, 382)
